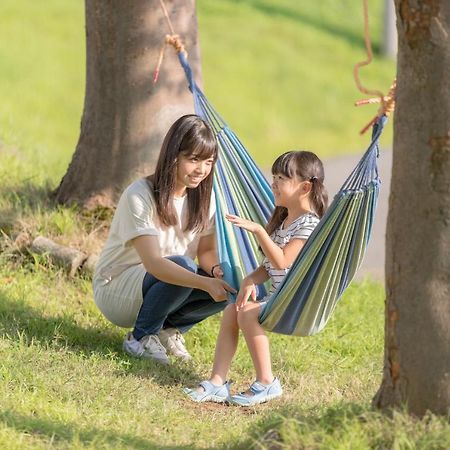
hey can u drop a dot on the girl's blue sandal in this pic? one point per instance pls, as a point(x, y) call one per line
point(211, 392)
point(260, 393)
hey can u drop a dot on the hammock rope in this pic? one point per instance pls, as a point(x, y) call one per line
point(387, 102)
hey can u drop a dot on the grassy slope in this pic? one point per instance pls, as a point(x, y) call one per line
point(41, 84)
point(279, 72)
point(63, 374)
point(298, 90)
point(66, 384)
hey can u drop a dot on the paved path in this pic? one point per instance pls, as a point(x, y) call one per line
point(336, 171)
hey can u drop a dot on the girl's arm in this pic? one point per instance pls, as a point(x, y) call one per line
point(207, 256)
point(248, 286)
point(280, 258)
point(165, 270)
point(258, 276)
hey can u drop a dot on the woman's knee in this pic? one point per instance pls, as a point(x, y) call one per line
point(184, 261)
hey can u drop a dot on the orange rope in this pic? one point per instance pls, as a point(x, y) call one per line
point(387, 101)
point(166, 15)
point(171, 39)
point(387, 105)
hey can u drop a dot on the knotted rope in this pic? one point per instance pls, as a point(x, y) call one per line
point(172, 39)
point(387, 101)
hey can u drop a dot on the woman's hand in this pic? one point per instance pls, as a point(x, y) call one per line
point(248, 289)
point(248, 225)
point(218, 289)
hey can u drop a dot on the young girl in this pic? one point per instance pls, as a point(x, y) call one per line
point(146, 276)
point(300, 200)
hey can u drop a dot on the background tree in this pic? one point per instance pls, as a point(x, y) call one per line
point(125, 117)
point(417, 341)
point(389, 38)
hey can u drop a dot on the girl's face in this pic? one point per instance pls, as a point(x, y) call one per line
point(191, 171)
point(287, 190)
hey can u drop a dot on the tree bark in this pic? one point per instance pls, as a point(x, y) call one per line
point(125, 116)
point(417, 327)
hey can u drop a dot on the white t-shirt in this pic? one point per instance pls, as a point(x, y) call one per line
point(300, 228)
point(119, 272)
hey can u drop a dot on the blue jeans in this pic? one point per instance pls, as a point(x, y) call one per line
point(168, 305)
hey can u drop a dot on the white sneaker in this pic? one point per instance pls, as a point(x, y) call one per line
point(173, 342)
point(148, 347)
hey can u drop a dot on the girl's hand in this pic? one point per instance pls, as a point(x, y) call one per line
point(248, 289)
point(218, 289)
point(248, 225)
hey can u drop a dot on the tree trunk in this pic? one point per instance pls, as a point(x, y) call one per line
point(417, 341)
point(125, 116)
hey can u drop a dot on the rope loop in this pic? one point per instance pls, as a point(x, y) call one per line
point(171, 39)
point(387, 102)
point(175, 41)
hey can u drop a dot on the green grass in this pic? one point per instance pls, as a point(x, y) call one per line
point(285, 68)
point(66, 384)
point(41, 82)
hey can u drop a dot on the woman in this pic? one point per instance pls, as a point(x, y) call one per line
point(146, 276)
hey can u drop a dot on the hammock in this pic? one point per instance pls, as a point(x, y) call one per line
point(306, 298)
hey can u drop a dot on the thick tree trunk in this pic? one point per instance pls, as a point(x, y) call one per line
point(125, 117)
point(417, 349)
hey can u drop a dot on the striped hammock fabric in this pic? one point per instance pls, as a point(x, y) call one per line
point(306, 298)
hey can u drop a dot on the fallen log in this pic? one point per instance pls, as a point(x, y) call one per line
point(68, 258)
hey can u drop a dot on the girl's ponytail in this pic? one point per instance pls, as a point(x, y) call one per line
point(319, 196)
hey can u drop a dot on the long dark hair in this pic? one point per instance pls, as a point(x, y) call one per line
point(189, 135)
point(306, 166)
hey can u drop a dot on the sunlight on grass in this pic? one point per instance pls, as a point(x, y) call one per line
point(63, 362)
point(66, 382)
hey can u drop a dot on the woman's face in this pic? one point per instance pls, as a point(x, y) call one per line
point(191, 171)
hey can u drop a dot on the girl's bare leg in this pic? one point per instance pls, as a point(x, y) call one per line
point(257, 342)
point(226, 346)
